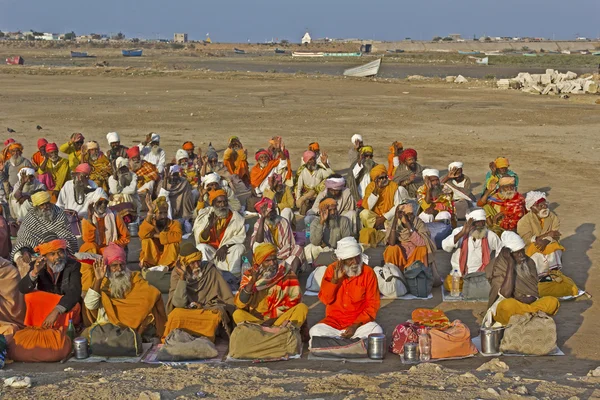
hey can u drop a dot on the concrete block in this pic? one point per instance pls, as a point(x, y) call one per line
point(460, 79)
point(549, 72)
point(590, 87)
point(450, 79)
point(571, 75)
point(536, 88)
point(536, 78)
point(550, 89)
point(546, 79)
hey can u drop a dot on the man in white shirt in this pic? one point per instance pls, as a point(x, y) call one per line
point(150, 151)
point(471, 246)
point(310, 179)
point(78, 193)
point(460, 184)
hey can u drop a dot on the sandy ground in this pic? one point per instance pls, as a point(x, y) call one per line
point(552, 144)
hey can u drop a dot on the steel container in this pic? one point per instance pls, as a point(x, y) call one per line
point(133, 229)
point(411, 352)
point(80, 346)
point(490, 340)
point(376, 346)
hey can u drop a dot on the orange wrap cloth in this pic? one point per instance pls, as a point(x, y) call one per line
point(325, 203)
point(51, 247)
point(39, 304)
point(263, 251)
point(377, 170)
point(188, 146)
point(213, 194)
point(501, 162)
point(314, 146)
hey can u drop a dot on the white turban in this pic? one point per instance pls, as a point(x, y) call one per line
point(455, 164)
point(28, 172)
point(533, 197)
point(113, 137)
point(431, 172)
point(155, 137)
point(355, 138)
point(512, 241)
point(175, 169)
point(443, 215)
point(121, 162)
point(477, 215)
point(211, 178)
point(347, 248)
point(181, 154)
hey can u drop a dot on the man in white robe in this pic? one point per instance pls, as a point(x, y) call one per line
point(151, 151)
point(122, 185)
point(20, 199)
point(77, 194)
point(336, 189)
point(310, 180)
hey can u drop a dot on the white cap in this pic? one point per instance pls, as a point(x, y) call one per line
point(455, 164)
point(477, 214)
point(211, 178)
point(533, 197)
point(347, 248)
point(431, 172)
point(113, 137)
point(181, 154)
point(512, 241)
point(121, 162)
point(355, 138)
point(443, 215)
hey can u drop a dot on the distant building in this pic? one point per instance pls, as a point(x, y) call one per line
point(48, 36)
point(306, 39)
point(180, 38)
point(455, 36)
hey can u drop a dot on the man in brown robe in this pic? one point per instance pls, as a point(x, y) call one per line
point(12, 304)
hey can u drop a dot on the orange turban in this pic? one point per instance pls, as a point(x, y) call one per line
point(314, 146)
point(213, 194)
point(51, 246)
point(377, 170)
point(325, 203)
point(501, 162)
point(188, 146)
point(262, 251)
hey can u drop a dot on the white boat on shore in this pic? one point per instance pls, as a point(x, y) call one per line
point(362, 71)
point(307, 54)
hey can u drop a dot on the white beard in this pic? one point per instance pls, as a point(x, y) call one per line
point(479, 234)
point(523, 270)
point(507, 195)
point(16, 160)
point(155, 150)
point(120, 284)
point(353, 270)
point(58, 266)
point(543, 213)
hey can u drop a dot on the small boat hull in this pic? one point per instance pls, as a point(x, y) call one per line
point(469, 53)
point(238, 51)
point(342, 54)
point(279, 51)
point(17, 60)
point(307, 54)
point(79, 54)
point(131, 53)
point(366, 70)
point(483, 61)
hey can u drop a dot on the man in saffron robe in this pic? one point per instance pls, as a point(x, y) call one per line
point(220, 233)
point(270, 292)
point(433, 197)
point(122, 297)
point(235, 160)
point(102, 227)
point(514, 283)
point(394, 157)
point(350, 293)
point(274, 229)
point(160, 236)
point(540, 229)
point(264, 168)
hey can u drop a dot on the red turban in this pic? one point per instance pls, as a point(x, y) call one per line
point(41, 142)
point(8, 141)
point(308, 155)
point(260, 153)
point(408, 153)
point(188, 146)
point(113, 252)
point(213, 194)
point(83, 169)
point(133, 152)
point(50, 147)
point(51, 247)
point(259, 205)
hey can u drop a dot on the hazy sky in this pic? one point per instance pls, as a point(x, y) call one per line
point(260, 20)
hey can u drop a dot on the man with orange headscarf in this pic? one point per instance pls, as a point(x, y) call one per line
point(409, 174)
point(311, 180)
point(235, 160)
point(189, 148)
point(498, 168)
point(220, 233)
point(9, 175)
point(73, 148)
point(122, 297)
point(380, 201)
point(394, 157)
point(270, 292)
point(56, 169)
point(160, 236)
point(52, 288)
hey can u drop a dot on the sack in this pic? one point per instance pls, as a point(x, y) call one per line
point(454, 341)
point(74, 222)
point(439, 231)
point(390, 281)
point(322, 346)
point(181, 346)
point(313, 283)
point(159, 279)
point(403, 333)
point(110, 340)
point(251, 341)
point(373, 256)
point(531, 333)
point(476, 286)
point(419, 279)
point(34, 344)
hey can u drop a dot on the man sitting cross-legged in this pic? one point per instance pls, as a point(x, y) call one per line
point(52, 288)
point(336, 189)
point(159, 236)
point(123, 297)
point(270, 293)
point(350, 293)
point(199, 298)
point(514, 277)
point(274, 229)
point(220, 233)
point(12, 305)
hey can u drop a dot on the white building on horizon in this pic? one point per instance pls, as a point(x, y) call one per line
point(306, 39)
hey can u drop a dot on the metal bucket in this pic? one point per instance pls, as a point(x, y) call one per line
point(376, 346)
point(133, 229)
point(490, 340)
point(411, 352)
point(80, 345)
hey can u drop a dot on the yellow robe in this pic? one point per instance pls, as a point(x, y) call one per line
point(60, 172)
point(74, 155)
point(163, 250)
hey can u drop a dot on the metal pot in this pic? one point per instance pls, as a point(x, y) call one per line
point(490, 340)
point(133, 229)
point(411, 352)
point(80, 346)
point(376, 346)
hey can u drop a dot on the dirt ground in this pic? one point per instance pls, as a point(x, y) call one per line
point(551, 143)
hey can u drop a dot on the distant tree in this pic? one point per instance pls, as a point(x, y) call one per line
point(285, 41)
point(1, 34)
point(437, 39)
point(119, 36)
point(38, 33)
point(524, 48)
point(135, 40)
point(70, 36)
point(488, 39)
point(447, 39)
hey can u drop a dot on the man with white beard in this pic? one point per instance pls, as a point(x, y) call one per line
point(310, 180)
point(45, 218)
point(77, 194)
point(151, 151)
point(122, 185)
point(52, 272)
point(514, 283)
point(351, 296)
point(504, 207)
point(147, 174)
point(10, 173)
point(326, 230)
point(433, 197)
point(20, 199)
point(122, 297)
point(471, 246)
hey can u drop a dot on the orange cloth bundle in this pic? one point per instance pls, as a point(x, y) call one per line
point(430, 317)
point(39, 345)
